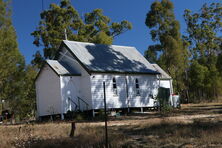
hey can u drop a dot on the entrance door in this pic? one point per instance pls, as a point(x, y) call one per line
point(71, 95)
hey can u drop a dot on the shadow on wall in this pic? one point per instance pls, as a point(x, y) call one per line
point(70, 92)
point(98, 92)
point(147, 89)
point(108, 59)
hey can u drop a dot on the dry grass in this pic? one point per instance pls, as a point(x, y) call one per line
point(192, 126)
point(177, 134)
point(55, 135)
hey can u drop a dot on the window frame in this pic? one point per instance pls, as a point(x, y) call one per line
point(115, 92)
point(137, 86)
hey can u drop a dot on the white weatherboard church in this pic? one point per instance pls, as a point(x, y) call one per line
point(74, 79)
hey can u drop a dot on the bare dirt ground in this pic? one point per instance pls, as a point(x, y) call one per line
point(191, 126)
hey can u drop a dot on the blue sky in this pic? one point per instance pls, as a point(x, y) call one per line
point(26, 16)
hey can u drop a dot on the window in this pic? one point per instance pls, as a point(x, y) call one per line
point(137, 87)
point(114, 87)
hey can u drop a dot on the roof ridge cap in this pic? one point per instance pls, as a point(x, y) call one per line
point(99, 44)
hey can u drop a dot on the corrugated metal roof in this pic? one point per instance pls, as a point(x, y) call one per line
point(61, 68)
point(105, 58)
point(163, 74)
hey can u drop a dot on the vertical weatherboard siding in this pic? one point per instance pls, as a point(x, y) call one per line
point(48, 92)
point(70, 89)
point(147, 84)
point(83, 82)
point(113, 101)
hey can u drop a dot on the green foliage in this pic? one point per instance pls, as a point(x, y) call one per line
point(204, 30)
point(93, 27)
point(25, 105)
point(194, 60)
point(170, 51)
point(38, 60)
point(11, 61)
point(166, 109)
point(16, 80)
point(199, 74)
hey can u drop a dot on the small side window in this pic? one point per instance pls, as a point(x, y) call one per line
point(114, 87)
point(137, 87)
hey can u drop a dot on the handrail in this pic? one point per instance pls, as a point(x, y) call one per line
point(74, 103)
point(83, 101)
point(87, 105)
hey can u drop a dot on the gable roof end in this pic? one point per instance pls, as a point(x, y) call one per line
point(61, 68)
point(163, 74)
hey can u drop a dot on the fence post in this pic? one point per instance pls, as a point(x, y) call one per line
point(73, 128)
point(106, 132)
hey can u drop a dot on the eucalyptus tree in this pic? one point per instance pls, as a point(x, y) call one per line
point(11, 60)
point(93, 27)
point(170, 50)
point(204, 35)
point(16, 79)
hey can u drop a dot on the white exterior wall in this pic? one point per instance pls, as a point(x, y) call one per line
point(166, 84)
point(148, 85)
point(112, 100)
point(48, 92)
point(69, 89)
point(82, 83)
